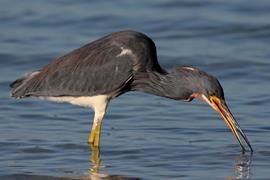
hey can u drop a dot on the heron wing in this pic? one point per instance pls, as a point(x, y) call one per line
point(93, 69)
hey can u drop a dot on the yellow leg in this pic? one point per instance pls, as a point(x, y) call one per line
point(99, 104)
point(94, 137)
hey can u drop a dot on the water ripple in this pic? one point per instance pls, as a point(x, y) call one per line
point(142, 136)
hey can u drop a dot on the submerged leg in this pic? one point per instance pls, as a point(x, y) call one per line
point(95, 159)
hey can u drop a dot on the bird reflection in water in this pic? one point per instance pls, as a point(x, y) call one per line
point(95, 159)
point(242, 167)
point(94, 171)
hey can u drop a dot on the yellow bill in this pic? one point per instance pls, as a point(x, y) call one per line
point(221, 107)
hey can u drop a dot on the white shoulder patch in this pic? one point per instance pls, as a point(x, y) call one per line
point(190, 68)
point(125, 52)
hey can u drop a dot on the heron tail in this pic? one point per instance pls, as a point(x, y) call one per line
point(19, 86)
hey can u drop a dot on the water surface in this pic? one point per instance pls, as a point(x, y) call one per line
point(143, 136)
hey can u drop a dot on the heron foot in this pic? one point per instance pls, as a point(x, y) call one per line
point(94, 137)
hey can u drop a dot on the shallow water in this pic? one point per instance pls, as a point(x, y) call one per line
point(143, 136)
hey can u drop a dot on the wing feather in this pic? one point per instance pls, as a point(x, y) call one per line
point(90, 70)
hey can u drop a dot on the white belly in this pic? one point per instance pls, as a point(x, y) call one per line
point(85, 101)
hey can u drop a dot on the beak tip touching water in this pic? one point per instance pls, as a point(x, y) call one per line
point(220, 106)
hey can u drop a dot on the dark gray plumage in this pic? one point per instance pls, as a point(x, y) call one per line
point(97, 68)
point(180, 84)
point(117, 63)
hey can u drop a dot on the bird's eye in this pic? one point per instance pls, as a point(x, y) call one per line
point(189, 99)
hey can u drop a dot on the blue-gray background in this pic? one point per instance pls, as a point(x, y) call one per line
point(143, 136)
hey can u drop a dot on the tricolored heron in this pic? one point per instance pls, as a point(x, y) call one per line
point(123, 61)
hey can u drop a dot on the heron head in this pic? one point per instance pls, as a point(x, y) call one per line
point(200, 85)
point(195, 83)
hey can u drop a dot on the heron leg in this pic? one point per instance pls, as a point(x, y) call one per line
point(94, 137)
point(99, 105)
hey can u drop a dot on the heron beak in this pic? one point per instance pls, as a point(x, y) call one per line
point(221, 107)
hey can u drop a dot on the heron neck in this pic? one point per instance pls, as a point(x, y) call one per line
point(157, 84)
